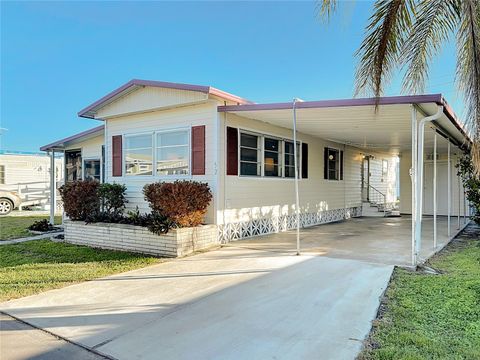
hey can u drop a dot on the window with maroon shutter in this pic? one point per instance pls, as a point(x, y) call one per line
point(232, 151)
point(117, 155)
point(198, 150)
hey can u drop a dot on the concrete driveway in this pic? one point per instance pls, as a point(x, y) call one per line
point(233, 303)
point(372, 239)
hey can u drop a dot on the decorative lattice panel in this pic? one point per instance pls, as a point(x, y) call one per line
point(241, 230)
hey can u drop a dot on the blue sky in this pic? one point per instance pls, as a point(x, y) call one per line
point(57, 58)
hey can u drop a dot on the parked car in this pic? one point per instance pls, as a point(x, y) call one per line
point(8, 201)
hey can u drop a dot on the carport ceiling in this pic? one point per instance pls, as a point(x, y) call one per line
point(387, 128)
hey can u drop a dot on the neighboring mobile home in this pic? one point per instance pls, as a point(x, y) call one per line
point(27, 175)
point(351, 155)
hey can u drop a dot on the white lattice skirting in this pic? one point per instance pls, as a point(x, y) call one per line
point(241, 230)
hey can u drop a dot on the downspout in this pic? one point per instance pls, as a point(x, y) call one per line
point(419, 179)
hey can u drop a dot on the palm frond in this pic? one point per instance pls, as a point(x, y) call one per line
point(325, 9)
point(435, 21)
point(386, 33)
point(468, 70)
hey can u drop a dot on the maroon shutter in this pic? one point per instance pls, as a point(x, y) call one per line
point(341, 165)
point(304, 161)
point(117, 155)
point(198, 150)
point(325, 163)
point(232, 151)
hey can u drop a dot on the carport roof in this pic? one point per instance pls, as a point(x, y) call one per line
point(357, 121)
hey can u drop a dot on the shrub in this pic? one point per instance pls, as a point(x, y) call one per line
point(471, 183)
point(112, 198)
point(80, 199)
point(184, 203)
point(41, 225)
point(155, 222)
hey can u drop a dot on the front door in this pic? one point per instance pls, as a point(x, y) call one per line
point(366, 179)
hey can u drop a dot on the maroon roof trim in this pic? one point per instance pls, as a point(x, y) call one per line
point(61, 142)
point(89, 111)
point(388, 100)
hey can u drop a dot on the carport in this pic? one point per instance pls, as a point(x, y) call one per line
point(380, 240)
point(415, 128)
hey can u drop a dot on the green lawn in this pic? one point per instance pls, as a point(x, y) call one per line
point(428, 316)
point(32, 267)
point(13, 227)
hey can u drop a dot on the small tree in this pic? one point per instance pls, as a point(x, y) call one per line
point(471, 182)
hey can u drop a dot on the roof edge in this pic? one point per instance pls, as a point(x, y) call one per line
point(87, 112)
point(386, 100)
point(71, 138)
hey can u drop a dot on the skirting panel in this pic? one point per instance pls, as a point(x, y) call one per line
point(241, 230)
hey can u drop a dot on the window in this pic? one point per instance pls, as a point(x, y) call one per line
point(73, 165)
point(92, 169)
point(250, 160)
point(290, 159)
point(263, 155)
point(2, 174)
point(271, 157)
point(333, 164)
point(138, 155)
point(173, 152)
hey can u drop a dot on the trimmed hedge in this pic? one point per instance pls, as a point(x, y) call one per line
point(183, 202)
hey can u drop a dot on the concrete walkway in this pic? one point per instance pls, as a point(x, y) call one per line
point(31, 238)
point(233, 303)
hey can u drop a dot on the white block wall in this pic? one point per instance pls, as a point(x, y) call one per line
point(177, 242)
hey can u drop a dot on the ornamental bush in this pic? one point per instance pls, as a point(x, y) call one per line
point(80, 199)
point(184, 203)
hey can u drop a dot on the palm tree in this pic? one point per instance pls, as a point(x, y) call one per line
point(409, 34)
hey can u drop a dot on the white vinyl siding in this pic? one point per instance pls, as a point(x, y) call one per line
point(442, 189)
point(149, 99)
